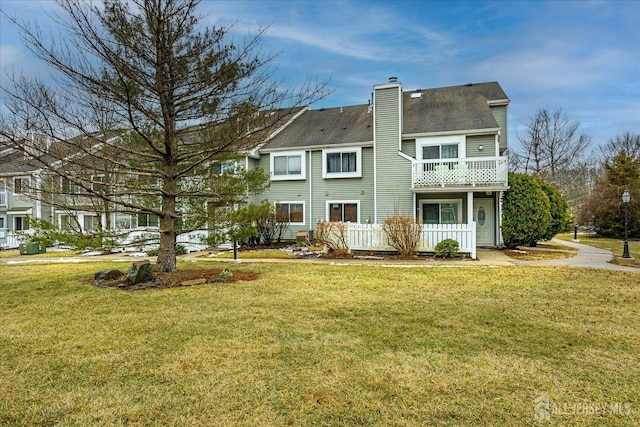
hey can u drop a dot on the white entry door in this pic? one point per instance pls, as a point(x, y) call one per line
point(484, 216)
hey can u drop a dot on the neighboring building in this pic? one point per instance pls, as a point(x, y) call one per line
point(433, 154)
point(18, 182)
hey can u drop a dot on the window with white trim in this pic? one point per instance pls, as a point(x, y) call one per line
point(445, 151)
point(69, 187)
point(97, 184)
point(342, 162)
point(21, 223)
point(3, 193)
point(228, 167)
point(291, 212)
point(69, 222)
point(21, 185)
point(123, 221)
point(148, 220)
point(343, 211)
point(441, 211)
point(90, 222)
point(289, 165)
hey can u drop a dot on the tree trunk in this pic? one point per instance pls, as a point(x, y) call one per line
point(166, 261)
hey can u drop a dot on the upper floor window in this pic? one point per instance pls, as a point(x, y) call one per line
point(342, 163)
point(290, 165)
point(3, 193)
point(97, 184)
point(440, 147)
point(447, 151)
point(21, 185)
point(228, 167)
point(69, 187)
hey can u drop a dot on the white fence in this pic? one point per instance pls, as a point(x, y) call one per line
point(371, 237)
point(191, 241)
point(9, 240)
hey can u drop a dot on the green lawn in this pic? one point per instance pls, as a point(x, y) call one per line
point(51, 253)
point(321, 344)
point(614, 245)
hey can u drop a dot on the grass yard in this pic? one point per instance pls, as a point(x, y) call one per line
point(614, 245)
point(321, 344)
point(51, 253)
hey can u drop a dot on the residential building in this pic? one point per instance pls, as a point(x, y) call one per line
point(436, 155)
point(433, 154)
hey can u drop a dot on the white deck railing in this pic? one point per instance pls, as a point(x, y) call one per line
point(10, 240)
point(463, 172)
point(371, 237)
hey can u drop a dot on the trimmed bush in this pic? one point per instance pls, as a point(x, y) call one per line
point(558, 209)
point(448, 248)
point(526, 216)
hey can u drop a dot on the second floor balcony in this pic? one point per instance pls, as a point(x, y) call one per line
point(486, 172)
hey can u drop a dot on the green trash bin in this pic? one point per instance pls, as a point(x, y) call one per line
point(32, 249)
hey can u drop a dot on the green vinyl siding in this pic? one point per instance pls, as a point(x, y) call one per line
point(409, 148)
point(338, 189)
point(323, 189)
point(488, 142)
point(500, 114)
point(393, 173)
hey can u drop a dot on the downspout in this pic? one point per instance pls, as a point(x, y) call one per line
point(310, 190)
point(375, 161)
point(37, 179)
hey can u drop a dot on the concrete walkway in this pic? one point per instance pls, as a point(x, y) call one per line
point(587, 257)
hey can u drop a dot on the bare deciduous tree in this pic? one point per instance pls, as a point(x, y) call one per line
point(628, 143)
point(174, 99)
point(552, 144)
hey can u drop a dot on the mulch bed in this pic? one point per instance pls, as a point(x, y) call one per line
point(177, 279)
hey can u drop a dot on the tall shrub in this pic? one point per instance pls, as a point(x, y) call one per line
point(558, 209)
point(334, 236)
point(526, 216)
point(403, 234)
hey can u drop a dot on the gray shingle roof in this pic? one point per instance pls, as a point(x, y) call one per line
point(448, 109)
point(326, 126)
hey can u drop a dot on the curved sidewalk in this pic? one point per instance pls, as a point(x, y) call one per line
point(587, 256)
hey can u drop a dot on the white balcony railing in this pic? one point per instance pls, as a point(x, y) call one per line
point(463, 172)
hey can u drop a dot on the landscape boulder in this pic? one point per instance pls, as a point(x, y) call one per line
point(141, 272)
point(103, 275)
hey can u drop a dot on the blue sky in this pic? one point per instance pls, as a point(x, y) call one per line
point(583, 57)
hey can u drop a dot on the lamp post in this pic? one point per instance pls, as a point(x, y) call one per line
point(625, 199)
